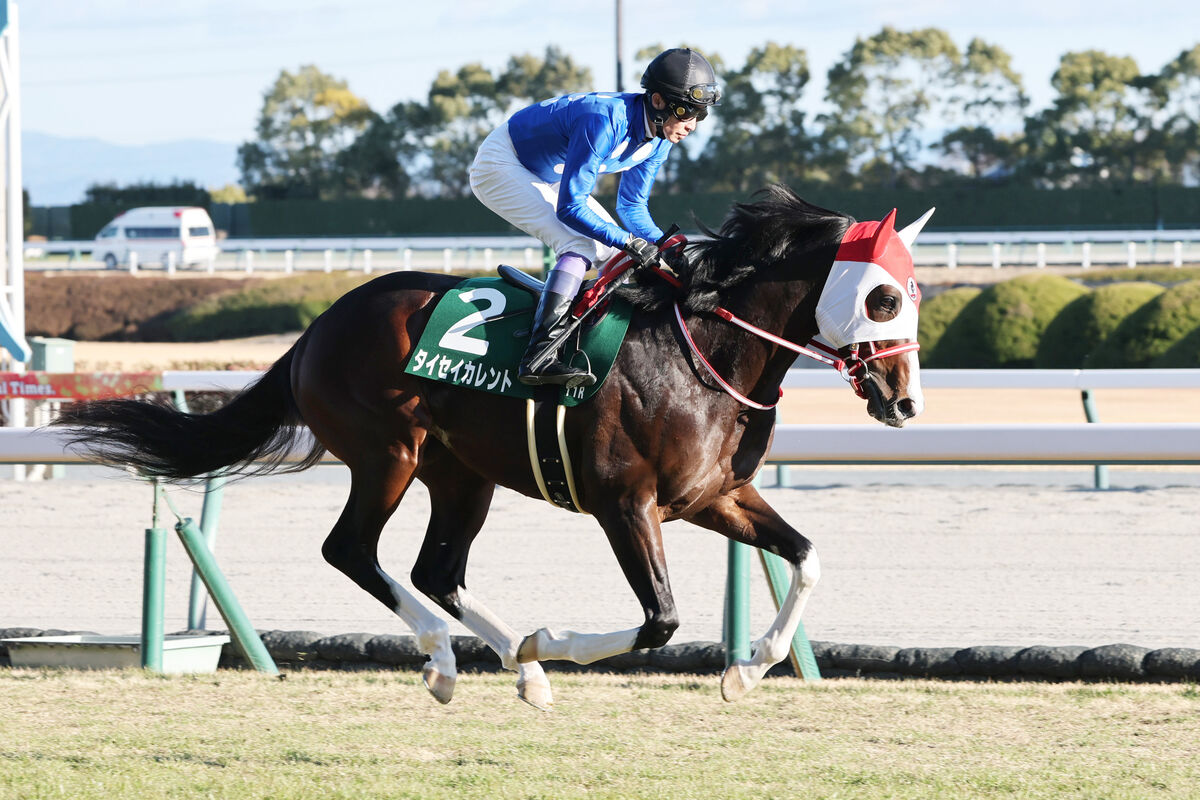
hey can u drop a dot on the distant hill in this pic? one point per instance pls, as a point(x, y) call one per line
point(57, 169)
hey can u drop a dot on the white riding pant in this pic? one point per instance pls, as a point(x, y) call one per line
point(503, 184)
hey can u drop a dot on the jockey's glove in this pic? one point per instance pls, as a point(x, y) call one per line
point(642, 252)
point(674, 260)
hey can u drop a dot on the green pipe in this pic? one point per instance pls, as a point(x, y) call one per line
point(1089, 410)
point(737, 604)
point(243, 633)
point(210, 515)
point(804, 663)
point(153, 583)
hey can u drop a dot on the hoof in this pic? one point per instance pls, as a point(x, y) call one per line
point(528, 651)
point(734, 683)
point(440, 685)
point(537, 694)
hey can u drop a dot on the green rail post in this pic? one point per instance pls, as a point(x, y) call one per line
point(737, 603)
point(804, 663)
point(210, 513)
point(153, 584)
point(154, 571)
point(1089, 410)
point(243, 633)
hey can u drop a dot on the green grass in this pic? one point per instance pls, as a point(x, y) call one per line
point(371, 734)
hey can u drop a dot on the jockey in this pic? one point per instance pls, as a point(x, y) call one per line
point(539, 169)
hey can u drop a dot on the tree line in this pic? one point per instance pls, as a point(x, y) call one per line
point(901, 109)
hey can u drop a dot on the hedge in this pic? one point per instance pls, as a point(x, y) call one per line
point(1087, 321)
point(1001, 328)
point(936, 313)
point(1149, 333)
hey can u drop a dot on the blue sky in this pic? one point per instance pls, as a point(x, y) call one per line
point(141, 71)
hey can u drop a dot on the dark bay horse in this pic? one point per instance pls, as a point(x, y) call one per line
point(659, 442)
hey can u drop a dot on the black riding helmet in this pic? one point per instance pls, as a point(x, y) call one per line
point(685, 80)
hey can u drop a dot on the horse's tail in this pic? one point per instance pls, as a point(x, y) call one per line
point(251, 434)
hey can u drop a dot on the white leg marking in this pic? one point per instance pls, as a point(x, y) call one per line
point(433, 638)
point(773, 647)
point(582, 648)
point(532, 684)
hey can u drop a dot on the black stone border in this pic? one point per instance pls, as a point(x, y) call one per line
point(1113, 662)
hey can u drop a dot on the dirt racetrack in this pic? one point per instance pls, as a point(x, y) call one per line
point(940, 556)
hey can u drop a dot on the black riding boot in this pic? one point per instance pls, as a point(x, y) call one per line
point(548, 321)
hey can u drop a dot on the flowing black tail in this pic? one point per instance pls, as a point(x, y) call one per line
point(250, 435)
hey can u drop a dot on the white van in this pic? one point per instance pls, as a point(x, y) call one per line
point(156, 232)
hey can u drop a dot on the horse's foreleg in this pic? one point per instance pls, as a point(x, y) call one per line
point(633, 531)
point(352, 547)
point(459, 502)
point(744, 516)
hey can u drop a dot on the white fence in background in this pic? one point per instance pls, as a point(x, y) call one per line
point(1128, 248)
point(1058, 444)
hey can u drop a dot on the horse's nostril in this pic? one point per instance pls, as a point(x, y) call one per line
point(907, 408)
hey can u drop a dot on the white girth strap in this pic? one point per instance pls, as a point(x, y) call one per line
point(534, 461)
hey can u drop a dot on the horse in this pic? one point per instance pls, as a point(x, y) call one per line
point(678, 430)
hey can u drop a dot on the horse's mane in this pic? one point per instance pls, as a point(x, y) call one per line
point(776, 228)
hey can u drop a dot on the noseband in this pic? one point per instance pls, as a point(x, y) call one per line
point(852, 367)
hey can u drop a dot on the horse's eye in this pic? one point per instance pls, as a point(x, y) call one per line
point(887, 303)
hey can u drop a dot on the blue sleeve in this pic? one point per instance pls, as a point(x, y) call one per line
point(634, 194)
point(590, 140)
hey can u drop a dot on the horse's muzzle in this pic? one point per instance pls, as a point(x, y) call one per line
point(894, 411)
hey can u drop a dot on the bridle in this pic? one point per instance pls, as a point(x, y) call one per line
point(852, 365)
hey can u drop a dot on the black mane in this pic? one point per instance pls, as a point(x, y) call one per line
point(776, 228)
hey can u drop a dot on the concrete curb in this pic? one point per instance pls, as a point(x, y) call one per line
point(1113, 662)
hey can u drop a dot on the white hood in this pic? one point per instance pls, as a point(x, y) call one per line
point(842, 309)
point(872, 254)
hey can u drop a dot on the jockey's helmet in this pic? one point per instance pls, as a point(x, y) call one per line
point(685, 80)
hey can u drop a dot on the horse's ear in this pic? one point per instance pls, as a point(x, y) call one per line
point(908, 234)
point(883, 235)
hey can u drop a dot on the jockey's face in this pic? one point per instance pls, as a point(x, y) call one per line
point(674, 130)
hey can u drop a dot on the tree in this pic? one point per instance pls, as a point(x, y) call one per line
point(884, 92)
point(433, 143)
point(986, 94)
point(1089, 134)
point(307, 119)
point(759, 134)
point(1172, 122)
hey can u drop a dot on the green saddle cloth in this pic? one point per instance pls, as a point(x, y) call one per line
point(479, 331)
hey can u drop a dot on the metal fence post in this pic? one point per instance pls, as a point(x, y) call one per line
point(210, 513)
point(1089, 410)
point(153, 589)
point(243, 633)
point(737, 603)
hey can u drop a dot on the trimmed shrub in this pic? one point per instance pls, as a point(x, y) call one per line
point(1184, 354)
point(1149, 333)
point(936, 313)
point(1087, 321)
point(1003, 325)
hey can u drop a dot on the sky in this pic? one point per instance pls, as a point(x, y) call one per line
point(134, 72)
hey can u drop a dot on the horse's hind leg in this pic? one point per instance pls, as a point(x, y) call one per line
point(459, 500)
point(744, 516)
point(352, 547)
